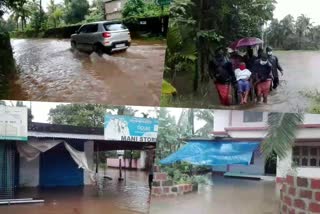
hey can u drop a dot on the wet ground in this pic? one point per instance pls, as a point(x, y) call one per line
point(51, 71)
point(128, 196)
point(227, 196)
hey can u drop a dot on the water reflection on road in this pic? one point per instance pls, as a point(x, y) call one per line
point(128, 196)
point(227, 196)
point(50, 71)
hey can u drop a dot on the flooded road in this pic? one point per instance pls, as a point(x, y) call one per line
point(301, 75)
point(227, 196)
point(128, 196)
point(50, 71)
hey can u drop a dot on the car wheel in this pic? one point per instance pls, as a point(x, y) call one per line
point(73, 45)
point(98, 49)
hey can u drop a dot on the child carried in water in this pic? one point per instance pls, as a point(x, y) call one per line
point(242, 75)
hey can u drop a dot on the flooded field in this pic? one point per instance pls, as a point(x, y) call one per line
point(51, 71)
point(227, 196)
point(128, 196)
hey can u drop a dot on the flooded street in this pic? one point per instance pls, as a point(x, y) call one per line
point(227, 196)
point(301, 75)
point(51, 71)
point(128, 196)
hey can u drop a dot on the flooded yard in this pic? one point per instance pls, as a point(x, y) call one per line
point(128, 196)
point(50, 71)
point(227, 196)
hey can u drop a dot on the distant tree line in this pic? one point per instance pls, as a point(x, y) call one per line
point(31, 15)
point(291, 34)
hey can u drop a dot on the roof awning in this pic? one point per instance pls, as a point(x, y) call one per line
point(214, 153)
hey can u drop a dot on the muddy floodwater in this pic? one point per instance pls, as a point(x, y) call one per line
point(301, 76)
point(227, 196)
point(50, 71)
point(128, 196)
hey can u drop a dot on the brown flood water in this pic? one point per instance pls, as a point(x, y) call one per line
point(227, 196)
point(50, 71)
point(129, 196)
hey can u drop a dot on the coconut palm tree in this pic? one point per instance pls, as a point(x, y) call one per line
point(281, 135)
point(207, 116)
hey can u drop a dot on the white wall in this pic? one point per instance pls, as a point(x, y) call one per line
point(311, 118)
point(29, 172)
point(257, 168)
point(284, 168)
point(237, 120)
point(88, 150)
point(221, 120)
point(142, 160)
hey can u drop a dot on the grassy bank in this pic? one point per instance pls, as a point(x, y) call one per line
point(7, 63)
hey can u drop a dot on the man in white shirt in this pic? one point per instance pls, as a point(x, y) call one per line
point(242, 76)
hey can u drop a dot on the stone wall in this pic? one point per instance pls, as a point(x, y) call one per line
point(300, 195)
point(162, 186)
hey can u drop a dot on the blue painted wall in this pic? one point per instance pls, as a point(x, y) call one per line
point(57, 168)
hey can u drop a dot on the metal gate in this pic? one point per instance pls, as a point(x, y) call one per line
point(7, 170)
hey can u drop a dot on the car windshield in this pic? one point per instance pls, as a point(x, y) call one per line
point(114, 26)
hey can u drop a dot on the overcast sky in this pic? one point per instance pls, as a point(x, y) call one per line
point(310, 8)
point(40, 110)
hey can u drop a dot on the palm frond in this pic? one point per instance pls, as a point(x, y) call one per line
point(282, 130)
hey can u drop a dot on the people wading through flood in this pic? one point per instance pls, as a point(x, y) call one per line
point(222, 72)
point(263, 78)
point(275, 67)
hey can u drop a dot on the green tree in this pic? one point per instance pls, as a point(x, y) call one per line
point(303, 26)
point(55, 14)
point(281, 135)
point(76, 10)
point(86, 115)
point(96, 11)
point(38, 18)
point(133, 8)
point(207, 116)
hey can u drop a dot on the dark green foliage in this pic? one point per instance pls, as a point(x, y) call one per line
point(132, 154)
point(86, 115)
point(170, 135)
point(76, 10)
point(198, 27)
point(282, 130)
point(291, 34)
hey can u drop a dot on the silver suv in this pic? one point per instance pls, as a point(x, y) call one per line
point(100, 37)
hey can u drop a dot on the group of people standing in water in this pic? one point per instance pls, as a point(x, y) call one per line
point(245, 75)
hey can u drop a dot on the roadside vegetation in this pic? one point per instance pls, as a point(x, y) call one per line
point(171, 137)
point(30, 19)
point(197, 28)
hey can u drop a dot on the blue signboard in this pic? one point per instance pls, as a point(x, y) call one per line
point(126, 128)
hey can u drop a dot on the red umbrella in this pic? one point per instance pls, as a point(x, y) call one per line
point(244, 42)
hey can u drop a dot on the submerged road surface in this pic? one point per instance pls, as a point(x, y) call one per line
point(51, 71)
point(130, 196)
point(227, 196)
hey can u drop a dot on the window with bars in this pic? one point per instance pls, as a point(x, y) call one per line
point(306, 156)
